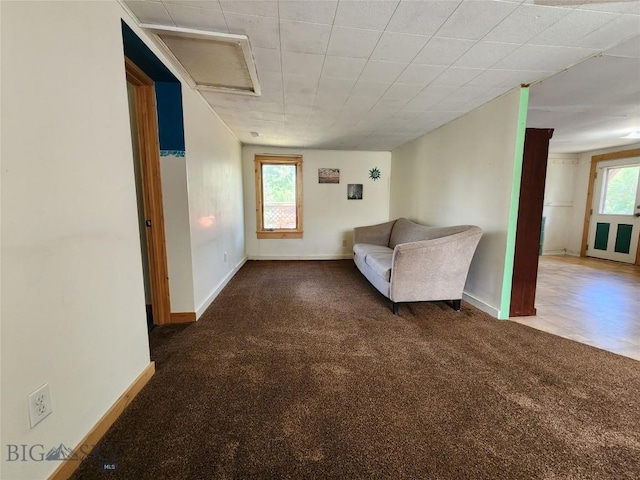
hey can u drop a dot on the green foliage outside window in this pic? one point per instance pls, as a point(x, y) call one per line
point(621, 186)
point(279, 183)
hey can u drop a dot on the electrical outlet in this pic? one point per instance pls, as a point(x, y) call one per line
point(39, 405)
point(225, 257)
point(344, 243)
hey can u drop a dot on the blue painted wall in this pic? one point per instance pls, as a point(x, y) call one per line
point(168, 92)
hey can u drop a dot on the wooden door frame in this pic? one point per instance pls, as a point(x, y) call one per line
point(146, 119)
point(592, 181)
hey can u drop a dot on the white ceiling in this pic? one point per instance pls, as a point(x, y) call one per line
point(373, 75)
point(593, 104)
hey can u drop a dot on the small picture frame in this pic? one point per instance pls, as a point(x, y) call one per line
point(328, 175)
point(354, 191)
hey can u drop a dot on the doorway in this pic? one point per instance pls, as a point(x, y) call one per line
point(143, 116)
point(615, 211)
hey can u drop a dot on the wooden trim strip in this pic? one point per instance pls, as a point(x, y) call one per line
point(182, 317)
point(67, 467)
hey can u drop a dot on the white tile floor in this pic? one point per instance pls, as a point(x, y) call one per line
point(592, 301)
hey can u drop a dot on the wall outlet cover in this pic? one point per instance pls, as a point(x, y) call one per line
point(39, 405)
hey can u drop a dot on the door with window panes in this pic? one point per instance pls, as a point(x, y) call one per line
point(615, 218)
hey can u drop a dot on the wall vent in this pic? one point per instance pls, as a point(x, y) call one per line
point(211, 61)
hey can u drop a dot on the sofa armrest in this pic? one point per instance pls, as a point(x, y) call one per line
point(433, 269)
point(373, 234)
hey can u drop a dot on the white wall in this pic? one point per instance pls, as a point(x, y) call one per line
point(574, 239)
point(328, 217)
point(73, 312)
point(175, 202)
point(558, 201)
point(462, 173)
point(72, 300)
point(214, 172)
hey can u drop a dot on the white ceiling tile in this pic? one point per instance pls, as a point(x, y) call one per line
point(271, 80)
point(365, 14)
point(300, 85)
point(263, 8)
point(625, 26)
point(150, 12)
point(263, 32)
point(343, 67)
point(454, 76)
point(304, 37)
point(431, 95)
point(630, 48)
point(474, 19)
point(572, 27)
point(421, 17)
point(632, 6)
point(329, 103)
point(303, 64)
point(296, 120)
point(352, 42)
point(293, 109)
point(198, 18)
point(443, 51)
point(272, 107)
point(545, 58)
point(402, 91)
point(228, 99)
point(359, 104)
point(466, 93)
point(525, 23)
point(485, 54)
point(384, 72)
point(266, 116)
point(267, 60)
point(398, 47)
point(210, 4)
point(420, 74)
point(370, 89)
point(309, 10)
point(299, 99)
point(335, 86)
point(505, 78)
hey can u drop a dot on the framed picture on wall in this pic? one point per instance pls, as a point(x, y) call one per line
point(354, 191)
point(328, 175)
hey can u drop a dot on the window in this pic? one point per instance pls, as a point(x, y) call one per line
point(279, 196)
point(620, 185)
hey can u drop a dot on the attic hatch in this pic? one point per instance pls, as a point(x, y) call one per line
point(218, 62)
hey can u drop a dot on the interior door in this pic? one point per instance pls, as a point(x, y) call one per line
point(149, 155)
point(615, 214)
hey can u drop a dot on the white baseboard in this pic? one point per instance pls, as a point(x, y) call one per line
point(480, 305)
point(201, 309)
point(571, 253)
point(335, 256)
point(561, 251)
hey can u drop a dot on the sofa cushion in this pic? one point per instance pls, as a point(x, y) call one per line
point(405, 231)
point(363, 249)
point(380, 262)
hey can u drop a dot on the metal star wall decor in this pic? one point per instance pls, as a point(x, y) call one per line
point(374, 173)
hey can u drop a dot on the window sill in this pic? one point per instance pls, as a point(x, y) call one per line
point(279, 234)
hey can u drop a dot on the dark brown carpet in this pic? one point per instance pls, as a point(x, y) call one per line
point(299, 370)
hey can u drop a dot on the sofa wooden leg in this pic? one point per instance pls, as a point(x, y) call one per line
point(455, 304)
point(395, 308)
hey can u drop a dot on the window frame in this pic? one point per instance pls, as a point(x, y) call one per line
point(280, 233)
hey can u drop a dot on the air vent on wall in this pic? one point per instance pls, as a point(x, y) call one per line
point(213, 61)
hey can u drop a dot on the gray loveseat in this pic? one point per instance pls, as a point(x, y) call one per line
point(408, 262)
